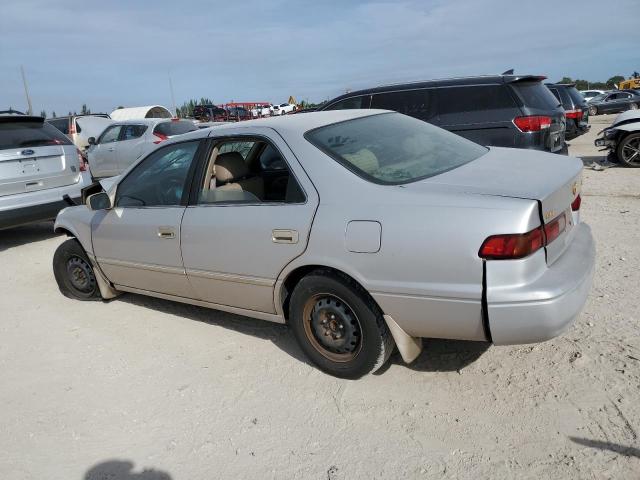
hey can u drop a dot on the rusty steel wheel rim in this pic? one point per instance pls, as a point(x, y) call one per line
point(332, 328)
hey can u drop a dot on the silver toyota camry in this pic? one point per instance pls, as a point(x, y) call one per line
point(361, 229)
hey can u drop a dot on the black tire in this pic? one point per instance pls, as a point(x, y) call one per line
point(628, 151)
point(74, 273)
point(349, 319)
point(593, 110)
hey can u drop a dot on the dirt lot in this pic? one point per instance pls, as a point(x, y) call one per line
point(197, 394)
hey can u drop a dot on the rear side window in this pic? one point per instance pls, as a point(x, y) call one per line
point(535, 95)
point(174, 128)
point(392, 149)
point(415, 103)
point(30, 134)
point(472, 98)
point(350, 103)
point(61, 124)
point(130, 132)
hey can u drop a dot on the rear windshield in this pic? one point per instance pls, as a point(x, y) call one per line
point(174, 128)
point(578, 99)
point(535, 95)
point(61, 124)
point(393, 149)
point(30, 134)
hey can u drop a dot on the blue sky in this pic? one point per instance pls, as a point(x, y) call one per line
point(110, 53)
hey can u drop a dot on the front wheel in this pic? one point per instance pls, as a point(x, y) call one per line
point(628, 150)
point(74, 273)
point(593, 110)
point(338, 325)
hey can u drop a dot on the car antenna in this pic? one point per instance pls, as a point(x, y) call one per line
point(508, 72)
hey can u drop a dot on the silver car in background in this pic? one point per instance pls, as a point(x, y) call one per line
point(39, 166)
point(122, 143)
point(361, 229)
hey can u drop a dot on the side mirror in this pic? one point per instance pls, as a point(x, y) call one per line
point(91, 140)
point(99, 201)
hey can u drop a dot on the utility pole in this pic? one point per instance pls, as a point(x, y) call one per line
point(26, 91)
point(173, 98)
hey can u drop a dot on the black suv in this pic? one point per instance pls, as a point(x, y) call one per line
point(499, 110)
point(576, 110)
point(210, 113)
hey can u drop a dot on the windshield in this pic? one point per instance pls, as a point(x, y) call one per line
point(393, 149)
point(22, 134)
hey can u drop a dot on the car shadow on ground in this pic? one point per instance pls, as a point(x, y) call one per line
point(14, 237)
point(438, 355)
point(598, 162)
point(122, 470)
point(613, 447)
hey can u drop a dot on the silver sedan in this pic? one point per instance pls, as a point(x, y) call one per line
point(361, 229)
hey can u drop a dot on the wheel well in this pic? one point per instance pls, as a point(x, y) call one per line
point(299, 273)
point(65, 231)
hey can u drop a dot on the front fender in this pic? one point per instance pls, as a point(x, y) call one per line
point(76, 221)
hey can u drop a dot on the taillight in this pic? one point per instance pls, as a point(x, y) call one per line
point(81, 161)
point(532, 123)
point(575, 205)
point(512, 246)
point(72, 127)
point(554, 228)
point(575, 114)
point(161, 137)
point(520, 245)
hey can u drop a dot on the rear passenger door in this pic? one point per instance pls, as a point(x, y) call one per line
point(415, 103)
point(481, 113)
point(103, 160)
point(131, 145)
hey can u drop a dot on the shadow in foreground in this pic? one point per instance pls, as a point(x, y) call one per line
point(598, 162)
point(122, 470)
point(14, 237)
point(442, 356)
point(613, 447)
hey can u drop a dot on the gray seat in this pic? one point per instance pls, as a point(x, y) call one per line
point(232, 173)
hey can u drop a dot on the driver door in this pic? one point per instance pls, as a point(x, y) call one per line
point(137, 242)
point(103, 160)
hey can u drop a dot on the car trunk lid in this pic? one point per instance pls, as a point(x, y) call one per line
point(554, 181)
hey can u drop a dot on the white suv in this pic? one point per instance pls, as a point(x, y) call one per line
point(39, 167)
point(285, 108)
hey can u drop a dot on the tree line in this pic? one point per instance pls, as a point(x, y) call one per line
point(608, 85)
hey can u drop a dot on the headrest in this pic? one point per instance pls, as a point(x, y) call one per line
point(230, 166)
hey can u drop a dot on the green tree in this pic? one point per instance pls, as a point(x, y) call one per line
point(85, 110)
point(566, 80)
point(614, 81)
point(43, 114)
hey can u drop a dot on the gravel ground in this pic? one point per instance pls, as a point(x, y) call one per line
point(90, 390)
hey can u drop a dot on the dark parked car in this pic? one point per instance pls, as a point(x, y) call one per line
point(238, 113)
point(576, 110)
point(498, 110)
point(210, 113)
point(613, 102)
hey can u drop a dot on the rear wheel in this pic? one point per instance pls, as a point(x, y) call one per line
point(338, 326)
point(593, 110)
point(628, 150)
point(74, 273)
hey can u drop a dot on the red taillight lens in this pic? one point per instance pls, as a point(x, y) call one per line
point(554, 228)
point(575, 205)
point(520, 245)
point(72, 128)
point(161, 137)
point(512, 246)
point(575, 114)
point(532, 123)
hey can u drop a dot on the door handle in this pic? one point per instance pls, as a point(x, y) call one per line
point(284, 236)
point(111, 149)
point(166, 232)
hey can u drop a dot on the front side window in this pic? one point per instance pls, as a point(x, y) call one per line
point(110, 135)
point(351, 103)
point(394, 149)
point(159, 180)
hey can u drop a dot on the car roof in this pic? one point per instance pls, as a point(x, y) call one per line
point(287, 124)
point(149, 121)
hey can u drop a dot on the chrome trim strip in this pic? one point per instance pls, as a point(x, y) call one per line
point(230, 277)
point(142, 266)
point(270, 317)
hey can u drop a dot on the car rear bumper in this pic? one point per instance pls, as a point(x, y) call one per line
point(545, 307)
point(30, 207)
